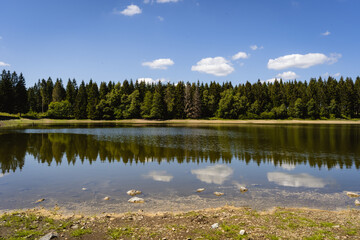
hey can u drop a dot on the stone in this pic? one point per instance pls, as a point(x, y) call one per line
point(243, 189)
point(215, 225)
point(49, 236)
point(106, 198)
point(84, 189)
point(218, 193)
point(200, 189)
point(133, 192)
point(352, 194)
point(75, 226)
point(242, 232)
point(40, 200)
point(136, 200)
point(357, 202)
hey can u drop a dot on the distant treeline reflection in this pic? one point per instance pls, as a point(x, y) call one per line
point(314, 146)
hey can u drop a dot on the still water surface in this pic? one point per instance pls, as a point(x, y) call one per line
point(281, 165)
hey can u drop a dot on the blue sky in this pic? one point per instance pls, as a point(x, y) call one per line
point(173, 40)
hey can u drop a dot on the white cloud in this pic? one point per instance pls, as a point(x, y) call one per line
point(213, 174)
point(166, 1)
point(129, 10)
point(162, 63)
point(301, 61)
point(288, 166)
point(150, 80)
point(3, 64)
point(217, 66)
point(287, 75)
point(160, 18)
point(255, 47)
point(272, 80)
point(327, 33)
point(295, 180)
point(325, 75)
point(239, 55)
point(159, 176)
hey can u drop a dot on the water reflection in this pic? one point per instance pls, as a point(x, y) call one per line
point(284, 146)
point(295, 180)
point(217, 174)
point(159, 176)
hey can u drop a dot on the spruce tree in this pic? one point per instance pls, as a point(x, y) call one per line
point(58, 92)
point(81, 103)
point(146, 105)
point(6, 93)
point(21, 98)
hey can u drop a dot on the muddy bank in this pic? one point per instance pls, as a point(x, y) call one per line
point(216, 223)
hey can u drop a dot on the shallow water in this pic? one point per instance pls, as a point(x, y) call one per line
point(281, 165)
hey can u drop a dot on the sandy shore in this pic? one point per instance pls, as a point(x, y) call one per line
point(29, 122)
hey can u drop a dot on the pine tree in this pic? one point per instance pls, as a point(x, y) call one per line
point(92, 100)
point(146, 105)
point(81, 103)
point(21, 99)
point(58, 92)
point(196, 112)
point(188, 101)
point(6, 93)
point(158, 105)
point(179, 101)
point(71, 92)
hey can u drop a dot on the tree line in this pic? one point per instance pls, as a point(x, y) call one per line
point(316, 99)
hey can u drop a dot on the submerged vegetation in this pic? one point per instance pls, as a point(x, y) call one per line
point(316, 99)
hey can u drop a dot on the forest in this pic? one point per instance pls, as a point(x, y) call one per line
point(314, 99)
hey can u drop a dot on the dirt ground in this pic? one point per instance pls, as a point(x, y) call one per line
point(220, 223)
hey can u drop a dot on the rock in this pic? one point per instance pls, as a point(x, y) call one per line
point(242, 232)
point(106, 198)
point(136, 200)
point(357, 202)
point(74, 226)
point(84, 189)
point(218, 193)
point(200, 189)
point(352, 194)
point(243, 189)
point(40, 200)
point(133, 192)
point(49, 236)
point(215, 225)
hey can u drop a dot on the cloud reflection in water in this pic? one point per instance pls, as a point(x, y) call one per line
point(159, 176)
point(295, 180)
point(213, 174)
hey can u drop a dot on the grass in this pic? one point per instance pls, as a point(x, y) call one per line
point(116, 233)
point(80, 232)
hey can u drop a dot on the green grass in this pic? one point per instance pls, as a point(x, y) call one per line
point(116, 233)
point(80, 232)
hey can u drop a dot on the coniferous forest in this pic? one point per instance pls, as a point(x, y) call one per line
point(313, 99)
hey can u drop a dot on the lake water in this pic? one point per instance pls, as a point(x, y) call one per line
point(281, 165)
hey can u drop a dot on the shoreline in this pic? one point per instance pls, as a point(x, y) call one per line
point(225, 222)
point(53, 122)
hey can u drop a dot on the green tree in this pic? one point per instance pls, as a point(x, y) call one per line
point(146, 105)
point(158, 106)
point(299, 108)
point(81, 102)
point(6, 93)
point(58, 93)
point(60, 109)
point(92, 100)
point(71, 92)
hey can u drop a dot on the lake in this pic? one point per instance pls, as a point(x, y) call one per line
point(281, 165)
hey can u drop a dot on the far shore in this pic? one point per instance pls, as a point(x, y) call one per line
point(38, 122)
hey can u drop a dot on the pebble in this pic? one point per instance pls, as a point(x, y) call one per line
point(357, 202)
point(215, 225)
point(75, 226)
point(106, 198)
point(84, 189)
point(133, 192)
point(40, 200)
point(136, 200)
point(218, 193)
point(242, 232)
point(243, 189)
point(200, 189)
point(352, 194)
